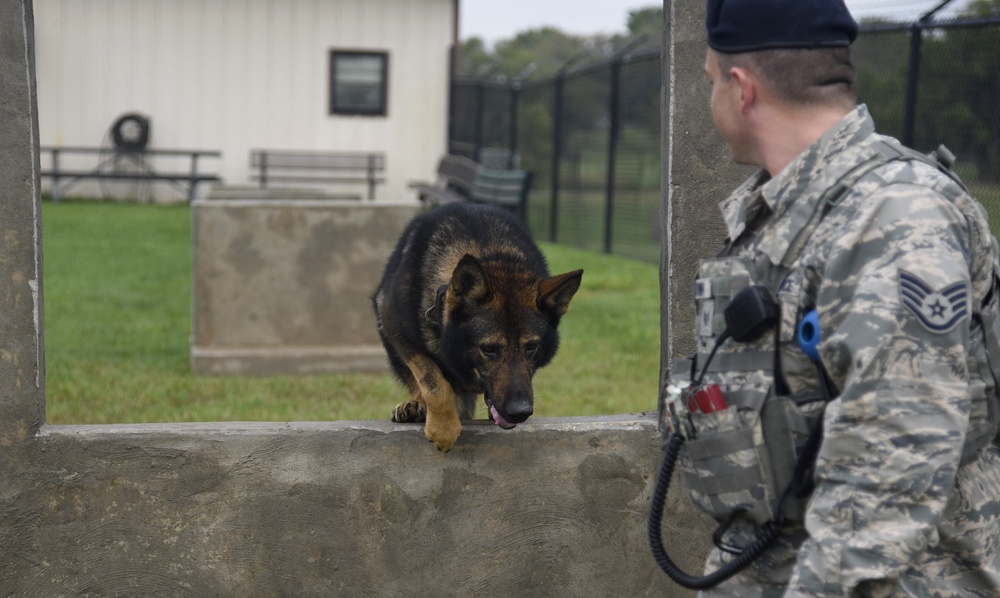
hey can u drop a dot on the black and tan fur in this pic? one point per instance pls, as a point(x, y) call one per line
point(466, 307)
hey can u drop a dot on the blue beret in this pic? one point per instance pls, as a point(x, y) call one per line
point(745, 25)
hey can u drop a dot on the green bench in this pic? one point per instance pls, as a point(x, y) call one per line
point(462, 179)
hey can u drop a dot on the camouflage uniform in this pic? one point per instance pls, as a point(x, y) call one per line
point(897, 270)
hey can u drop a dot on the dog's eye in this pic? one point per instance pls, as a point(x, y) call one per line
point(490, 351)
point(530, 349)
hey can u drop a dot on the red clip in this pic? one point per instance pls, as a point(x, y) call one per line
point(707, 399)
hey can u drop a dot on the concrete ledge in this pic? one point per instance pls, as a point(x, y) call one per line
point(228, 192)
point(555, 507)
point(637, 422)
point(287, 361)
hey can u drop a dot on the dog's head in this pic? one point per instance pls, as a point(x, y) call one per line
point(499, 327)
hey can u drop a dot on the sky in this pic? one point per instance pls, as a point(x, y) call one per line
point(493, 20)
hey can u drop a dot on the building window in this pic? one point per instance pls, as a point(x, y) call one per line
point(358, 82)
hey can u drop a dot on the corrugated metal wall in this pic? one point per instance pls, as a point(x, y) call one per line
point(232, 75)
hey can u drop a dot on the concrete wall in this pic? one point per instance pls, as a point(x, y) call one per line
point(556, 508)
point(284, 286)
point(552, 508)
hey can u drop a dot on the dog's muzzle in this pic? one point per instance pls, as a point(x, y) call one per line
point(518, 409)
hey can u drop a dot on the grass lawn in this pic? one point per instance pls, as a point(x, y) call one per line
point(117, 288)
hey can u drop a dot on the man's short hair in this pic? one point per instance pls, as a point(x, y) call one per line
point(800, 77)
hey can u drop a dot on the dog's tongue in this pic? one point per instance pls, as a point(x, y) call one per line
point(506, 425)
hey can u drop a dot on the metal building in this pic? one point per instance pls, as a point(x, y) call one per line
point(237, 75)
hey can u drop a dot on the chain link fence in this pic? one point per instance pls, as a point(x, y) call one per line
point(933, 83)
point(592, 139)
point(591, 136)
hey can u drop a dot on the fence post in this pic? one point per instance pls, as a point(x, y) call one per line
point(556, 155)
point(452, 84)
point(913, 74)
point(614, 105)
point(480, 116)
point(515, 94)
point(916, 38)
point(515, 97)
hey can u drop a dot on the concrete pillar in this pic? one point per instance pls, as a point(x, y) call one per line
point(22, 371)
point(697, 173)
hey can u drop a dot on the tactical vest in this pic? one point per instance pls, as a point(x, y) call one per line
point(741, 460)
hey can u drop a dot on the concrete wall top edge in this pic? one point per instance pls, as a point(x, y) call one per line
point(627, 421)
point(302, 203)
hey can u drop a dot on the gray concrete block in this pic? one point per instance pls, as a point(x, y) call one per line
point(284, 286)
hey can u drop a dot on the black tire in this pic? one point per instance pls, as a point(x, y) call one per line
point(131, 132)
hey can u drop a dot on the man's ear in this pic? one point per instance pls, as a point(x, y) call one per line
point(748, 87)
point(469, 283)
point(554, 293)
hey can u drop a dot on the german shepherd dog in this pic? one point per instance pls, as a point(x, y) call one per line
point(467, 307)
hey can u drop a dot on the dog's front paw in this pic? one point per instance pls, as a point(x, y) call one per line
point(443, 432)
point(409, 412)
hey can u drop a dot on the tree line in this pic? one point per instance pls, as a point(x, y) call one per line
point(958, 85)
point(956, 101)
point(539, 53)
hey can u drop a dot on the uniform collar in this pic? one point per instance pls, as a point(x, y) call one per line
point(792, 195)
point(743, 203)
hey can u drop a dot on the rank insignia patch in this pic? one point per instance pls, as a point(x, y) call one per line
point(939, 311)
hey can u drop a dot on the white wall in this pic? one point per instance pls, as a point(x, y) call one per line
point(232, 75)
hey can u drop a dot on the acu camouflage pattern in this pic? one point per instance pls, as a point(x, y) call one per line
point(893, 512)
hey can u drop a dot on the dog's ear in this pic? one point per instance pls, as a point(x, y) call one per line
point(555, 293)
point(469, 283)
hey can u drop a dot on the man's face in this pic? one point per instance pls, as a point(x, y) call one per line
point(726, 105)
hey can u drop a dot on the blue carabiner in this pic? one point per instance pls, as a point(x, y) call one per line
point(808, 335)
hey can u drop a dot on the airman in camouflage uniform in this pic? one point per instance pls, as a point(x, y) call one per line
point(899, 264)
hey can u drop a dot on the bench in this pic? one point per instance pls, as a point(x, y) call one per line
point(109, 162)
point(462, 179)
point(318, 167)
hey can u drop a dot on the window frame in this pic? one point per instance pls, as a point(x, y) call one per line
point(383, 108)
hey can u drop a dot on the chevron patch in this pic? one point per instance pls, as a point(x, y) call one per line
point(937, 310)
